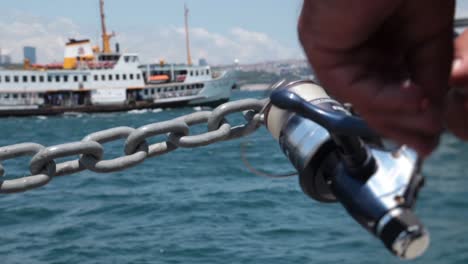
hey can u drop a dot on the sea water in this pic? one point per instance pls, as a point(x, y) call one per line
point(203, 205)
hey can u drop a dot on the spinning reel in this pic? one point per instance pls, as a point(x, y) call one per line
point(340, 159)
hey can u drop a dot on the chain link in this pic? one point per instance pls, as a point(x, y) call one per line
point(29, 182)
point(94, 164)
point(202, 139)
point(90, 150)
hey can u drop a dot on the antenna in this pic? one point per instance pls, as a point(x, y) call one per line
point(105, 37)
point(187, 40)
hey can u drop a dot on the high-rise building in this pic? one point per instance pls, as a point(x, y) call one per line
point(202, 62)
point(5, 59)
point(30, 54)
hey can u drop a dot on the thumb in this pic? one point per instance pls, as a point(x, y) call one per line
point(459, 74)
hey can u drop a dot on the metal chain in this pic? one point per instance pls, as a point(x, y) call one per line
point(90, 150)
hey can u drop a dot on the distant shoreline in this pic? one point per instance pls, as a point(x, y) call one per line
point(255, 87)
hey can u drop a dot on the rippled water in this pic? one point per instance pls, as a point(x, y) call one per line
point(203, 206)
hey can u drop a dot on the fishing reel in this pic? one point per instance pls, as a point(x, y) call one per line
point(340, 159)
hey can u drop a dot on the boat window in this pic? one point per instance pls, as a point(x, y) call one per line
point(110, 77)
point(202, 85)
point(16, 78)
point(85, 78)
point(0, 78)
point(95, 77)
point(152, 91)
point(41, 78)
point(41, 95)
point(138, 76)
point(196, 73)
point(49, 78)
point(103, 77)
point(182, 88)
point(117, 77)
point(75, 78)
point(131, 76)
point(7, 78)
point(65, 78)
point(146, 91)
point(33, 78)
point(57, 78)
point(15, 96)
point(25, 78)
point(126, 58)
point(124, 76)
point(23, 95)
point(159, 90)
point(207, 72)
point(165, 89)
point(191, 73)
point(7, 95)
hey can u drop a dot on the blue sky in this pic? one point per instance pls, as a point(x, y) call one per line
point(221, 31)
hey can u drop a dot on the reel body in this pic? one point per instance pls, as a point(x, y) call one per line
point(340, 159)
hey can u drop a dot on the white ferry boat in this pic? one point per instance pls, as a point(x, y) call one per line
point(93, 80)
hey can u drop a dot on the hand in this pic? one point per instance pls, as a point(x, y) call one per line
point(457, 99)
point(390, 58)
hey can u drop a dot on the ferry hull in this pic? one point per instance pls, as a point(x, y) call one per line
point(58, 110)
point(213, 93)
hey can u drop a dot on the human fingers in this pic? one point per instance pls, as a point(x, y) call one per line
point(456, 114)
point(431, 47)
point(418, 130)
point(423, 144)
point(425, 123)
point(341, 24)
point(393, 98)
point(459, 74)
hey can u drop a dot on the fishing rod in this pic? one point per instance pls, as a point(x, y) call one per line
point(340, 159)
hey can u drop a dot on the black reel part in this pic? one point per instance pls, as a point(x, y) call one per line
point(315, 179)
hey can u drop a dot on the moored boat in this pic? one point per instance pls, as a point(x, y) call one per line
point(101, 80)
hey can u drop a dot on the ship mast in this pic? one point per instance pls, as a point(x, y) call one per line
point(105, 37)
point(187, 40)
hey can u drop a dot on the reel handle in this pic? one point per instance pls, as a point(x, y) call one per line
point(344, 129)
point(335, 123)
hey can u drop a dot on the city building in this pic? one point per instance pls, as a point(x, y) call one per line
point(5, 59)
point(30, 54)
point(202, 62)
